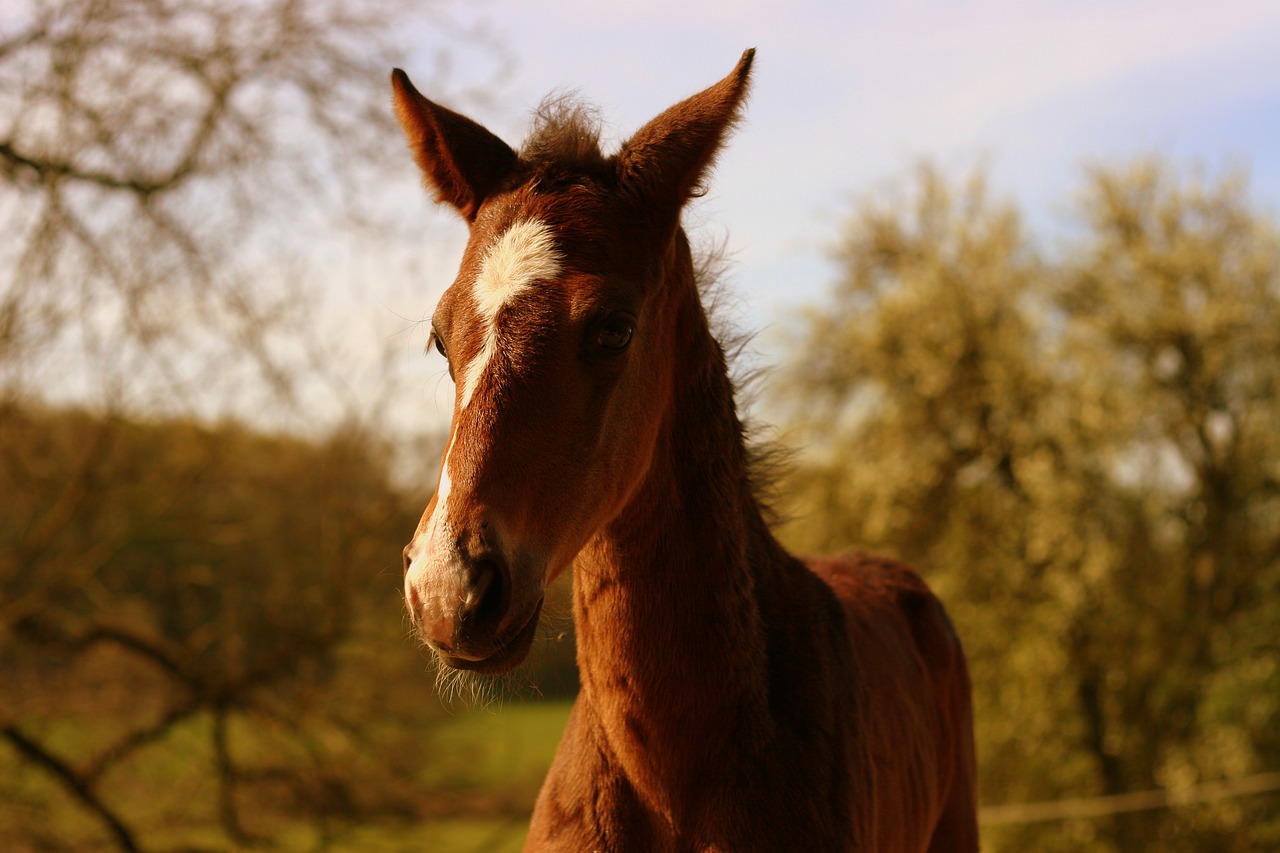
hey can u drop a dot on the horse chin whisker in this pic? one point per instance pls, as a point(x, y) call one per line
point(460, 686)
point(474, 689)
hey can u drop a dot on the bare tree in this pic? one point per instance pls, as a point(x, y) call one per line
point(161, 160)
point(165, 166)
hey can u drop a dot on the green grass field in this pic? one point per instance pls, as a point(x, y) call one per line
point(507, 747)
point(493, 761)
point(482, 775)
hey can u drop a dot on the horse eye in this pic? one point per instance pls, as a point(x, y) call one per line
point(438, 344)
point(616, 333)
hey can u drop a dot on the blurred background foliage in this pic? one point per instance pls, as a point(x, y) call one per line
point(1081, 449)
point(201, 639)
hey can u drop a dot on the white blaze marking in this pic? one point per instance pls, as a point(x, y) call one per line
point(526, 253)
point(433, 540)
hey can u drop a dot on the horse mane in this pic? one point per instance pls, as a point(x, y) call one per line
point(768, 459)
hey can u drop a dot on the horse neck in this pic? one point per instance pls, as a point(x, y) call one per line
point(669, 631)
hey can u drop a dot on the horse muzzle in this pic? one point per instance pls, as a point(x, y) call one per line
point(465, 608)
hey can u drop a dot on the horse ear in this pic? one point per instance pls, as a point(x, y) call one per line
point(461, 160)
point(664, 162)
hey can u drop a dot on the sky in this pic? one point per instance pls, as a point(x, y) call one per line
point(849, 96)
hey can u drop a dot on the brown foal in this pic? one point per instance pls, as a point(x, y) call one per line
point(734, 697)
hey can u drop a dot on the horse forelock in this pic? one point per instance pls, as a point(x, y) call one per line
point(565, 137)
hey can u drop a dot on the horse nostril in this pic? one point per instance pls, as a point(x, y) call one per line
point(486, 600)
point(408, 561)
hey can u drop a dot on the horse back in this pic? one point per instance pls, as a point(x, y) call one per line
point(914, 708)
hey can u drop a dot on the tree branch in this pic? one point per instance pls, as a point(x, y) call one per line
point(79, 787)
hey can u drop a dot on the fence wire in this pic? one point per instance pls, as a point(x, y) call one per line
point(1091, 807)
